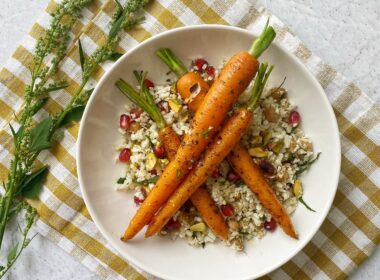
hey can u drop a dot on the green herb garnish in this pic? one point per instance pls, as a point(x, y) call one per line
point(121, 180)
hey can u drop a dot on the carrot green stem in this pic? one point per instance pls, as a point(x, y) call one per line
point(259, 85)
point(173, 62)
point(144, 100)
point(263, 41)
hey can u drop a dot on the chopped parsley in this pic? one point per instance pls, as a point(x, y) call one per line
point(121, 180)
point(153, 179)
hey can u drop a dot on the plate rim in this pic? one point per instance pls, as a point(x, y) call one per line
point(103, 80)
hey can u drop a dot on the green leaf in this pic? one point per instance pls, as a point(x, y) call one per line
point(73, 115)
point(39, 135)
point(116, 26)
point(118, 4)
point(38, 105)
point(33, 183)
point(115, 56)
point(81, 55)
point(14, 134)
point(121, 180)
point(153, 179)
point(12, 253)
point(305, 204)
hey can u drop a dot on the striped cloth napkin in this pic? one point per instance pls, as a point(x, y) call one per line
point(351, 230)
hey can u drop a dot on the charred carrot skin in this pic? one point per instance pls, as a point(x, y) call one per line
point(224, 141)
point(232, 81)
point(251, 174)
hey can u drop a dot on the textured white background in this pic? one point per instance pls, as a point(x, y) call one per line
point(345, 34)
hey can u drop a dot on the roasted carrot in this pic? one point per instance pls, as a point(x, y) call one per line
point(239, 157)
point(231, 82)
point(201, 199)
point(243, 164)
point(190, 85)
point(219, 148)
point(210, 212)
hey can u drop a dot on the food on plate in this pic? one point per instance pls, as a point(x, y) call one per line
point(243, 197)
point(229, 135)
point(201, 199)
point(233, 79)
point(239, 159)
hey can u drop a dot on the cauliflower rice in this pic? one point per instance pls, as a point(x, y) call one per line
point(280, 148)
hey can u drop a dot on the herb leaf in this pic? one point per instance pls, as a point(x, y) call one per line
point(153, 179)
point(307, 165)
point(82, 58)
point(12, 253)
point(121, 180)
point(305, 204)
point(32, 183)
point(115, 56)
point(72, 115)
point(39, 135)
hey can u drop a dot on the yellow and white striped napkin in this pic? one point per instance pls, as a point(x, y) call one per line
point(352, 228)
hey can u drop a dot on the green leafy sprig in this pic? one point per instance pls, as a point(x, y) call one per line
point(24, 180)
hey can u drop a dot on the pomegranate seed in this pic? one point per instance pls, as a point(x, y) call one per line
point(227, 210)
point(163, 106)
point(153, 172)
point(199, 63)
point(136, 113)
point(210, 71)
point(159, 151)
point(125, 155)
point(215, 174)
point(138, 200)
point(125, 121)
point(148, 83)
point(270, 225)
point(173, 224)
point(294, 118)
point(267, 167)
point(232, 176)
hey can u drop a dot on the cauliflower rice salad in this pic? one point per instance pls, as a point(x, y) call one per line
point(274, 140)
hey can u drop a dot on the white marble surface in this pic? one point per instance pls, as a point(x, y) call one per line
point(346, 34)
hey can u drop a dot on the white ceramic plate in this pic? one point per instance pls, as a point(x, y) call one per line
point(112, 210)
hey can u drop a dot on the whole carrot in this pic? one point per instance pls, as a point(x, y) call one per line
point(219, 148)
point(239, 157)
point(251, 174)
point(232, 81)
point(201, 199)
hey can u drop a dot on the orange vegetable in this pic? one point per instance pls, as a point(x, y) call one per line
point(225, 140)
point(192, 89)
point(243, 164)
point(171, 142)
point(232, 81)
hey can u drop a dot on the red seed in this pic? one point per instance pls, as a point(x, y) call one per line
point(153, 172)
point(163, 106)
point(199, 63)
point(210, 71)
point(138, 200)
point(148, 83)
point(215, 174)
point(232, 176)
point(294, 118)
point(173, 224)
point(125, 155)
point(136, 113)
point(159, 151)
point(270, 225)
point(125, 121)
point(227, 210)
